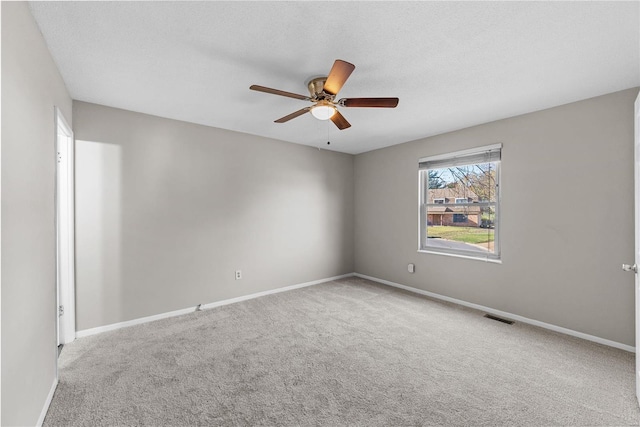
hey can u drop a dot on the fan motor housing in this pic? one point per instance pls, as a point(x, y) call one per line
point(316, 90)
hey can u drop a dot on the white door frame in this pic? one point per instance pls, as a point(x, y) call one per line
point(65, 230)
point(636, 166)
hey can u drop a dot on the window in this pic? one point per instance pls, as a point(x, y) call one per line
point(460, 203)
point(459, 218)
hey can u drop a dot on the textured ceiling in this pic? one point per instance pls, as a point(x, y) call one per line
point(452, 64)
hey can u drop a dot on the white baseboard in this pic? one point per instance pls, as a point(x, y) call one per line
point(504, 314)
point(100, 329)
point(273, 291)
point(47, 403)
point(114, 326)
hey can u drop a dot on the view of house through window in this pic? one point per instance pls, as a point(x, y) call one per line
point(459, 204)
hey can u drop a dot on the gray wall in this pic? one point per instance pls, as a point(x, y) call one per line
point(166, 211)
point(31, 87)
point(567, 217)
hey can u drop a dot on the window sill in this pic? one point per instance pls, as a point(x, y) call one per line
point(483, 259)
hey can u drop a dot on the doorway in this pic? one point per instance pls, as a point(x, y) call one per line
point(65, 239)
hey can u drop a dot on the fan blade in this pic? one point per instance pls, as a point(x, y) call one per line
point(369, 102)
point(278, 92)
point(339, 74)
point(292, 115)
point(339, 120)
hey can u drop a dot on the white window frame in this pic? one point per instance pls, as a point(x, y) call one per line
point(423, 203)
point(439, 201)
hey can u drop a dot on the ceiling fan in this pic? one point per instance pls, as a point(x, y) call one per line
point(323, 91)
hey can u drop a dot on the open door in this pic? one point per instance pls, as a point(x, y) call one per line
point(636, 166)
point(65, 245)
point(634, 267)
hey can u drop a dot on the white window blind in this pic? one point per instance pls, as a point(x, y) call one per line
point(467, 157)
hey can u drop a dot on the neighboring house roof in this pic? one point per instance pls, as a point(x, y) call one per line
point(458, 192)
point(467, 210)
point(438, 209)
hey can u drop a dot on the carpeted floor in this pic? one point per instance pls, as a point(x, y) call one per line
point(348, 352)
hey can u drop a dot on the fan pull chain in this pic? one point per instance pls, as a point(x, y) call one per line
point(328, 142)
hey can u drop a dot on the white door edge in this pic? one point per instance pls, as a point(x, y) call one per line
point(65, 229)
point(636, 167)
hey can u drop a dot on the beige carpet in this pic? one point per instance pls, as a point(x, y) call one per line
point(348, 352)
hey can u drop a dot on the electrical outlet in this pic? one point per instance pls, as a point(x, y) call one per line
point(238, 274)
point(411, 268)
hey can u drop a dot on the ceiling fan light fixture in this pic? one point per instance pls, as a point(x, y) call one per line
point(323, 111)
point(322, 94)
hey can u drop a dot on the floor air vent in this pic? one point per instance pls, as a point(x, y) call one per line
point(499, 319)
